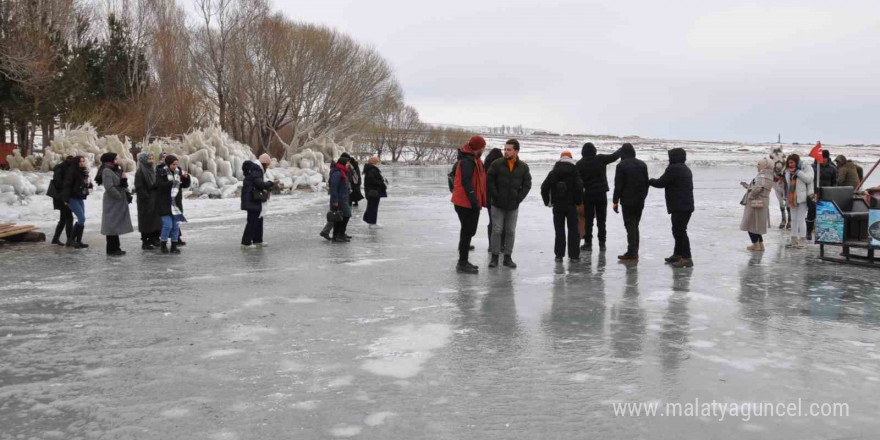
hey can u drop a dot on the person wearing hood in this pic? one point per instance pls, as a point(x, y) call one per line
point(339, 198)
point(592, 168)
point(678, 182)
point(149, 222)
point(824, 174)
point(508, 182)
point(799, 182)
point(376, 188)
point(493, 155)
point(563, 190)
point(630, 190)
point(74, 193)
point(171, 182)
point(255, 183)
point(56, 188)
point(756, 214)
point(469, 197)
point(848, 173)
point(115, 218)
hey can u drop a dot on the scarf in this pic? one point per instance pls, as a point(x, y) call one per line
point(175, 190)
point(344, 170)
point(792, 190)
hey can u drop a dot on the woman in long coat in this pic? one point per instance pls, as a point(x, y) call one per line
point(756, 216)
point(149, 222)
point(115, 218)
point(376, 189)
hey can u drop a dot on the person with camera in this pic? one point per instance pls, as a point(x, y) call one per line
point(171, 181)
point(254, 198)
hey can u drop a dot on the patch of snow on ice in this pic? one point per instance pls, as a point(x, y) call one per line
point(345, 430)
point(378, 418)
point(403, 352)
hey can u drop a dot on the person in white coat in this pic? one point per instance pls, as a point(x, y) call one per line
point(799, 179)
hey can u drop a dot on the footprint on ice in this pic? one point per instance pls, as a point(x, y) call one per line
point(345, 430)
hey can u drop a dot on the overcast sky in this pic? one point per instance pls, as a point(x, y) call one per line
point(708, 69)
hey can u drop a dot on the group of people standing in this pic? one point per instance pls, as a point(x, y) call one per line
point(159, 201)
point(577, 193)
point(795, 183)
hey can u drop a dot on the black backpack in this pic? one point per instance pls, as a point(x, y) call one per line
point(451, 177)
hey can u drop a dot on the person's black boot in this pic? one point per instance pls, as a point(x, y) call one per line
point(494, 261)
point(58, 230)
point(465, 267)
point(508, 262)
point(602, 247)
point(77, 237)
point(174, 249)
point(164, 247)
point(588, 244)
point(672, 259)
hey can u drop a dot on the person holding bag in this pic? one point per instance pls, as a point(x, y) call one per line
point(115, 218)
point(756, 204)
point(339, 192)
point(255, 193)
point(376, 188)
point(171, 182)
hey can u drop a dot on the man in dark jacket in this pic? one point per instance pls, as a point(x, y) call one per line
point(508, 182)
point(630, 190)
point(65, 221)
point(824, 174)
point(592, 168)
point(679, 184)
point(563, 191)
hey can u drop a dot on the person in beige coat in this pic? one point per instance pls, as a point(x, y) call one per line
point(756, 216)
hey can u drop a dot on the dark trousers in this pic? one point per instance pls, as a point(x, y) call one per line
point(811, 215)
point(680, 222)
point(340, 227)
point(563, 216)
point(595, 206)
point(756, 238)
point(632, 216)
point(253, 231)
point(469, 219)
point(372, 212)
point(65, 223)
point(113, 243)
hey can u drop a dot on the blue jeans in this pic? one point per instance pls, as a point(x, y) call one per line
point(170, 228)
point(78, 207)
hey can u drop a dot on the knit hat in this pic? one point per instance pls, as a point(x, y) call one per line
point(565, 154)
point(477, 143)
point(108, 157)
point(265, 159)
point(170, 159)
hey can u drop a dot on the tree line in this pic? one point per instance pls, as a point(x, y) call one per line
point(146, 69)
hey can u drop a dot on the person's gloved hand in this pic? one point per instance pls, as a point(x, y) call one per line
point(614, 207)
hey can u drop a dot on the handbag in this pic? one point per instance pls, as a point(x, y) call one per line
point(334, 216)
point(260, 195)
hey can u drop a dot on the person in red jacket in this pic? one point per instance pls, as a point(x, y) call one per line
point(469, 196)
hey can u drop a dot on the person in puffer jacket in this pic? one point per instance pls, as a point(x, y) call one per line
point(563, 191)
point(630, 190)
point(678, 182)
point(254, 181)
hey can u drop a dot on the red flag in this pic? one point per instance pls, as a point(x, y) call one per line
point(816, 152)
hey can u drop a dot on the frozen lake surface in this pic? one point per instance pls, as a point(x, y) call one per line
point(381, 339)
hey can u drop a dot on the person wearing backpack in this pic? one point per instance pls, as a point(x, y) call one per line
point(468, 197)
point(56, 188)
point(563, 191)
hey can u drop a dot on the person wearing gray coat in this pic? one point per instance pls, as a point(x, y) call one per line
point(756, 204)
point(115, 218)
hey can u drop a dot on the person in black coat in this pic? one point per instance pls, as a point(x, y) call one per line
point(630, 190)
point(354, 176)
point(508, 182)
point(592, 168)
point(169, 205)
point(679, 184)
point(147, 190)
point(493, 155)
point(563, 191)
point(376, 188)
point(56, 187)
point(74, 192)
point(253, 181)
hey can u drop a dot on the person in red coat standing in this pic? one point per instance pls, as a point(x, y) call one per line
point(469, 197)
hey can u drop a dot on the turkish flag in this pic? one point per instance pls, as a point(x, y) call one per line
point(816, 152)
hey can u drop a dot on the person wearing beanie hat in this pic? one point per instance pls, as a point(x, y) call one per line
point(508, 182)
point(376, 188)
point(339, 191)
point(171, 182)
point(630, 190)
point(593, 170)
point(115, 217)
point(678, 182)
point(468, 179)
point(563, 190)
